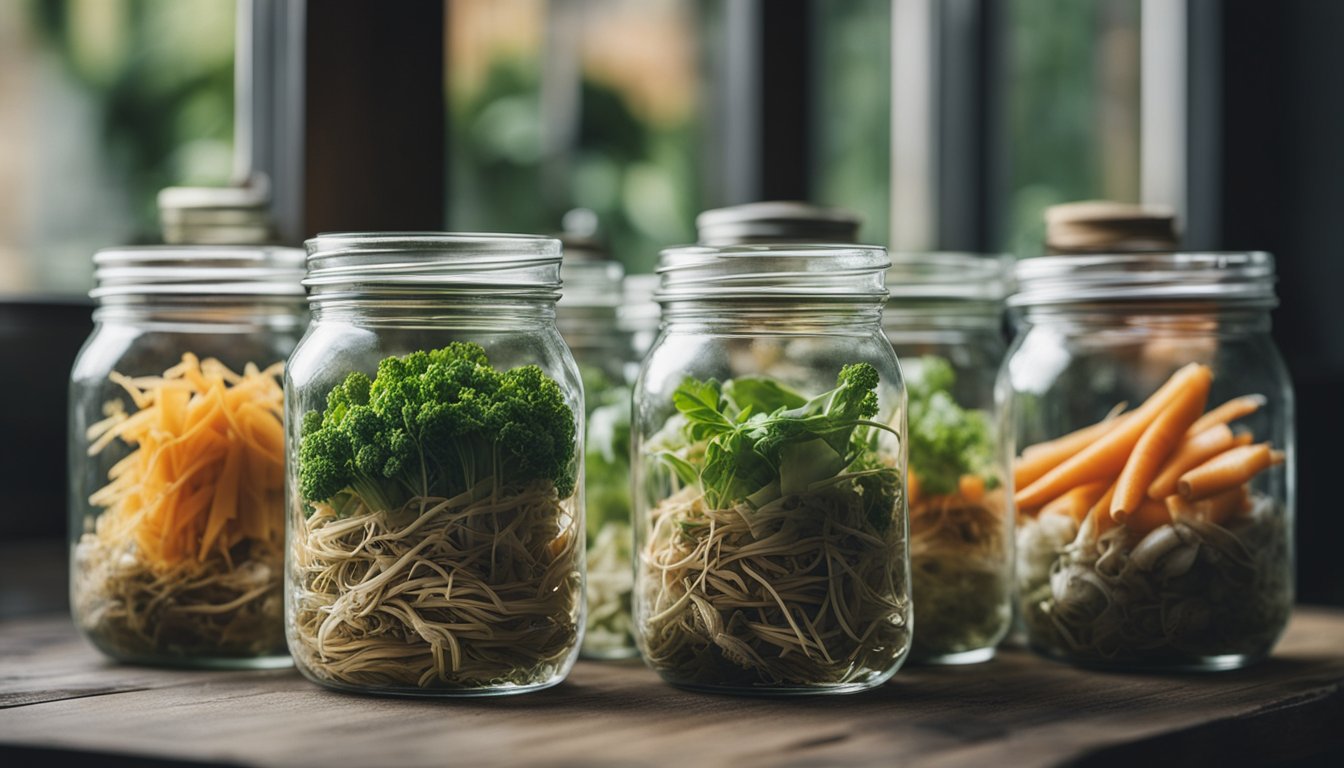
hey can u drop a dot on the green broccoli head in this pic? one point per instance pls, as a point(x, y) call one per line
point(437, 423)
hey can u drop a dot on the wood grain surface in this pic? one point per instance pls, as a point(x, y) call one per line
point(59, 698)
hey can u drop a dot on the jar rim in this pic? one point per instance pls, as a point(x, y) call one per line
point(346, 264)
point(1233, 278)
point(197, 270)
point(949, 276)
point(818, 272)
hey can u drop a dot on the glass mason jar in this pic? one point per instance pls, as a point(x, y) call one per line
point(434, 424)
point(944, 319)
point(770, 514)
point(176, 461)
point(1153, 417)
point(587, 318)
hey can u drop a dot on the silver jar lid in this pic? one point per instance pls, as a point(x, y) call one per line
point(197, 270)
point(776, 222)
point(1233, 278)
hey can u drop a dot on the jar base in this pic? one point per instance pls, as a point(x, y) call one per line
point(1185, 663)
point(408, 692)
point(221, 663)
point(975, 656)
point(772, 691)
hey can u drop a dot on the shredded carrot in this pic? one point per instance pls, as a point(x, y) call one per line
point(1236, 408)
point(1227, 470)
point(207, 466)
point(1077, 501)
point(1157, 443)
point(1041, 458)
point(1104, 458)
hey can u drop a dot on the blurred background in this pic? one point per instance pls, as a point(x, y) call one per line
point(947, 124)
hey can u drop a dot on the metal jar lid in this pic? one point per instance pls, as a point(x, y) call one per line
point(776, 222)
point(197, 271)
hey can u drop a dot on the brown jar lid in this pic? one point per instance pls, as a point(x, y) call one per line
point(1105, 226)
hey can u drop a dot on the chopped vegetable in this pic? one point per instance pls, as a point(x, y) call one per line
point(1236, 408)
point(1229, 469)
point(186, 557)
point(1038, 459)
point(609, 631)
point(958, 537)
point(1158, 441)
point(436, 543)
point(777, 562)
point(1194, 450)
point(1105, 457)
point(1178, 559)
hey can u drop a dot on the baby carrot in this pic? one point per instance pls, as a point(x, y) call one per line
point(1105, 458)
point(971, 487)
point(1227, 470)
point(1194, 450)
point(1042, 457)
point(1100, 512)
point(1076, 502)
point(1147, 517)
point(1157, 442)
point(1236, 408)
point(1215, 509)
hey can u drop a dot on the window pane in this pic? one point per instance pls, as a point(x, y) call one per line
point(588, 103)
point(1072, 100)
point(851, 117)
point(102, 104)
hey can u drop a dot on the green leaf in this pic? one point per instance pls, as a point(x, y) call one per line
point(685, 471)
point(761, 394)
point(699, 402)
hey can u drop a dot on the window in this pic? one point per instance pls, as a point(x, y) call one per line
point(562, 105)
point(102, 104)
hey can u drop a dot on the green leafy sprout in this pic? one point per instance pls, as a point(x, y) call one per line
point(761, 440)
point(437, 423)
point(946, 440)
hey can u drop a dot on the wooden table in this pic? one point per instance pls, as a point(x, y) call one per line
point(60, 699)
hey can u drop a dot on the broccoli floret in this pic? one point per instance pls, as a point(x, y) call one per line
point(437, 423)
point(946, 440)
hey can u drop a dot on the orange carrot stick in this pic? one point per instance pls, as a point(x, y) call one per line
point(1042, 457)
point(1105, 458)
point(1147, 517)
point(1217, 509)
point(1227, 470)
point(1157, 443)
point(1076, 502)
point(1194, 450)
point(971, 487)
point(1100, 512)
point(1236, 408)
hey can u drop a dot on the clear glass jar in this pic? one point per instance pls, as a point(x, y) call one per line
point(176, 462)
point(587, 318)
point(1159, 538)
point(770, 516)
point(944, 319)
point(434, 424)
